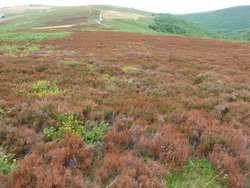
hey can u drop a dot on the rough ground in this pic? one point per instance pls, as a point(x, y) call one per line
point(165, 99)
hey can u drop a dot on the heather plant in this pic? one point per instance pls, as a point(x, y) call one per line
point(44, 88)
point(70, 123)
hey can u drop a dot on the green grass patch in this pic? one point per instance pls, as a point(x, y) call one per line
point(24, 49)
point(129, 69)
point(32, 48)
point(197, 174)
point(8, 49)
point(7, 163)
point(45, 88)
point(3, 111)
point(136, 26)
point(32, 36)
point(70, 123)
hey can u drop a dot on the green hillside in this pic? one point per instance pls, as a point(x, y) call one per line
point(108, 18)
point(226, 19)
point(233, 23)
point(167, 23)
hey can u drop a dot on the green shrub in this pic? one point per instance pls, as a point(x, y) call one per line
point(129, 68)
point(7, 163)
point(3, 111)
point(32, 48)
point(70, 123)
point(198, 174)
point(44, 88)
point(201, 77)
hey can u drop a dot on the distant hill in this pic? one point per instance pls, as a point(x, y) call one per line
point(226, 19)
point(231, 22)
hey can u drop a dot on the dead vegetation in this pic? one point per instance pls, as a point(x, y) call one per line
point(177, 98)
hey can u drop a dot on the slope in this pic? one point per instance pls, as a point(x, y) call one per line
point(232, 22)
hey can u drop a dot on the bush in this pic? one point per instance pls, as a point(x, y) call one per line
point(168, 146)
point(69, 123)
point(129, 68)
point(44, 88)
point(7, 163)
point(51, 164)
point(126, 170)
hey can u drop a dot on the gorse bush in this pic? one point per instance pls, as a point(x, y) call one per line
point(7, 163)
point(44, 88)
point(3, 111)
point(70, 123)
point(129, 68)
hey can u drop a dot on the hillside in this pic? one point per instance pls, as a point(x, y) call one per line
point(230, 22)
point(167, 23)
point(112, 18)
point(84, 17)
point(234, 18)
point(105, 18)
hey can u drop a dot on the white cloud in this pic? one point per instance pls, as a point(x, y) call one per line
point(164, 6)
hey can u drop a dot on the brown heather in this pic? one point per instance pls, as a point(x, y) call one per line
point(187, 98)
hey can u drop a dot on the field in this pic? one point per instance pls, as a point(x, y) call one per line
point(106, 109)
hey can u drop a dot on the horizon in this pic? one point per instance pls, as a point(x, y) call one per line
point(172, 7)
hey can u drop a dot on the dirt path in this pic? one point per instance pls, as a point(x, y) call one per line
point(99, 21)
point(56, 27)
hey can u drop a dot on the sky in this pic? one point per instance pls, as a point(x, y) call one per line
point(158, 6)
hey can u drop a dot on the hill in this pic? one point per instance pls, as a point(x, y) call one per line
point(84, 17)
point(107, 18)
point(167, 23)
point(230, 22)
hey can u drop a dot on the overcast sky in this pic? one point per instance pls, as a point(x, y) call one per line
point(164, 6)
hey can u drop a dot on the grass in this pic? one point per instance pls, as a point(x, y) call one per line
point(28, 36)
point(137, 26)
point(197, 174)
point(8, 49)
